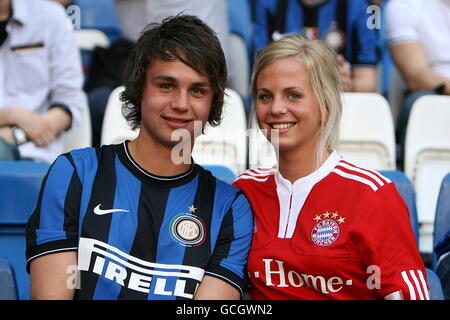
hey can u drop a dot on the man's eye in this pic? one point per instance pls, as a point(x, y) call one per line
point(165, 86)
point(198, 91)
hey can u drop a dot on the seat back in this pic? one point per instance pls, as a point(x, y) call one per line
point(239, 78)
point(100, 15)
point(80, 137)
point(20, 182)
point(435, 285)
point(406, 190)
point(88, 39)
point(442, 219)
point(115, 128)
point(427, 158)
point(367, 134)
point(8, 286)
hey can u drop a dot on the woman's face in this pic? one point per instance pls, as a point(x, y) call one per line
point(285, 102)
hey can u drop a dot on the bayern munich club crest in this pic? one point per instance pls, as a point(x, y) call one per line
point(327, 229)
point(188, 229)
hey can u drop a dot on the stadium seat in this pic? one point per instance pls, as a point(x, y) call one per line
point(8, 286)
point(239, 78)
point(80, 137)
point(115, 128)
point(406, 190)
point(442, 218)
point(435, 286)
point(20, 182)
point(427, 158)
point(239, 44)
point(225, 144)
point(367, 135)
point(221, 172)
point(100, 15)
point(88, 39)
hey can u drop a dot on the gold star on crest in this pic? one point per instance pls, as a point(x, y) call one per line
point(317, 218)
point(334, 215)
point(192, 209)
point(326, 215)
point(341, 220)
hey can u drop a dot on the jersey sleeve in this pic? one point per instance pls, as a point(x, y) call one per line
point(388, 248)
point(53, 226)
point(365, 43)
point(230, 253)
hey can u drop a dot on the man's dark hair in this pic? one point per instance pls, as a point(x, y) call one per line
point(183, 37)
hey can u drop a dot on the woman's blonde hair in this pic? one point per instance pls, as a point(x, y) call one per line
point(324, 76)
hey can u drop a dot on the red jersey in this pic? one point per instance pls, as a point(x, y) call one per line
point(342, 232)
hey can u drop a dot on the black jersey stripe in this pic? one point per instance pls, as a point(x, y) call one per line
point(72, 204)
point(204, 204)
point(151, 202)
point(97, 226)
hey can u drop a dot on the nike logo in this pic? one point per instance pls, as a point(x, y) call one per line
point(101, 212)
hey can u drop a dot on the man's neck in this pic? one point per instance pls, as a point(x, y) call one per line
point(155, 158)
point(5, 9)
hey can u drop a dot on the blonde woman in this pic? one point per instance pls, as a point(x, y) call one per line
point(324, 228)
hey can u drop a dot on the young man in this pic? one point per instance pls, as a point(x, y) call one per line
point(144, 226)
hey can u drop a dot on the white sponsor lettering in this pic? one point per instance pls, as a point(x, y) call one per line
point(118, 266)
point(276, 268)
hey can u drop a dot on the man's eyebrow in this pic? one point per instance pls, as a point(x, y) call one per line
point(174, 80)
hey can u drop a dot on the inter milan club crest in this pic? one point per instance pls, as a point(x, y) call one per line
point(327, 229)
point(188, 229)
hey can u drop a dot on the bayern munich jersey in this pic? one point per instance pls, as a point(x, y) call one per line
point(139, 236)
point(342, 232)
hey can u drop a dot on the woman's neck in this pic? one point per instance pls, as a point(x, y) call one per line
point(299, 163)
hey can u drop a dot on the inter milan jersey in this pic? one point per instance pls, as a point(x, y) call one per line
point(342, 232)
point(139, 236)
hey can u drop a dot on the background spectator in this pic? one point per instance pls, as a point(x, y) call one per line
point(40, 79)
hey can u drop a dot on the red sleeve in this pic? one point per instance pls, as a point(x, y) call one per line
point(386, 242)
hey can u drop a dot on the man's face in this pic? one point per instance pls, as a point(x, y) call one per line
point(174, 96)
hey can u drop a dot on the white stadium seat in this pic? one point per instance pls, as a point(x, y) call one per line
point(80, 137)
point(88, 39)
point(427, 158)
point(367, 135)
point(261, 152)
point(239, 77)
point(115, 128)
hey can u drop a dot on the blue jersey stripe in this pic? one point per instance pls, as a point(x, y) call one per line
point(123, 225)
point(242, 226)
point(86, 164)
point(178, 202)
point(52, 205)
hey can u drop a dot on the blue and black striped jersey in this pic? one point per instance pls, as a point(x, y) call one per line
point(139, 236)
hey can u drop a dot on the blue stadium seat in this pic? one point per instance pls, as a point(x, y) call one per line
point(240, 20)
point(221, 172)
point(442, 219)
point(406, 189)
point(436, 292)
point(20, 182)
point(101, 15)
point(8, 287)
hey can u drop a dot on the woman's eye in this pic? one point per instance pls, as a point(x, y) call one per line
point(295, 96)
point(264, 97)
